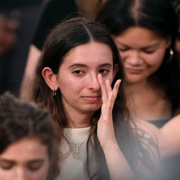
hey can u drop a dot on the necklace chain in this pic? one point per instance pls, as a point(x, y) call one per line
point(76, 154)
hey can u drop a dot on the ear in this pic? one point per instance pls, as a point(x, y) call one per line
point(50, 78)
point(115, 70)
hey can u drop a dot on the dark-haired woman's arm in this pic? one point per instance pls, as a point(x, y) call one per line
point(167, 137)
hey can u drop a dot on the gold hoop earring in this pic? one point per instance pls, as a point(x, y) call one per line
point(54, 92)
point(171, 56)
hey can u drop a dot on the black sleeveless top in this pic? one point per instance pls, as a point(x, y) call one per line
point(169, 166)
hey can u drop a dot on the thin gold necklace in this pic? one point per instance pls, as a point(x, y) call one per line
point(76, 154)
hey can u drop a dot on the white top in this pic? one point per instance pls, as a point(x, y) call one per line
point(72, 168)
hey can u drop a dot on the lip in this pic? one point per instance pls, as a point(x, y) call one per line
point(134, 71)
point(91, 98)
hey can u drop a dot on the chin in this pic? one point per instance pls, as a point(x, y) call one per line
point(133, 81)
point(92, 108)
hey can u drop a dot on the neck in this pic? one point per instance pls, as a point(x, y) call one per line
point(147, 103)
point(78, 119)
point(136, 87)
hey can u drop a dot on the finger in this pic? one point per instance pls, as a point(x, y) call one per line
point(103, 88)
point(108, 86)
point(112, 94)
point(110, 98)
point(116, 88)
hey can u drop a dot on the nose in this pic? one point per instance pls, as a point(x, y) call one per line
point(20, 174)
point(93, 83)
point(134, 58)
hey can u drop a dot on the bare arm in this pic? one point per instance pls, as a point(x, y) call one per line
point(168, 136)
point(31, 65)
point(118, 166)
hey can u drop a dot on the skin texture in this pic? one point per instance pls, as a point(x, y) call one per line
point(142, 52)
point(26, 159)
point(168, 136)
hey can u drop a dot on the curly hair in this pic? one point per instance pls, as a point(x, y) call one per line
point(20, 119)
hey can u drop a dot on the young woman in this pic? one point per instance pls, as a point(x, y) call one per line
point(27, 145)
point(54, 13)
point(77, 79)
point(144, 32)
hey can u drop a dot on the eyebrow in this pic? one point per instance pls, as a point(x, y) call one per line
point(6, 160)
point(145, 47)
point(83, 65)
point(31, 161)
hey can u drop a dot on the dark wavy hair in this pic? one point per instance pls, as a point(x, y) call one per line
point(64, 37)
point(158, 16)
point(20, 119)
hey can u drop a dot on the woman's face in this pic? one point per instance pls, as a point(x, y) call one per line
point(77, 77)
point(142, 52)
point(26, 159)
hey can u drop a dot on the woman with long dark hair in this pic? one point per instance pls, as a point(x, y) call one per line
point(77, 79)
point(145, 32)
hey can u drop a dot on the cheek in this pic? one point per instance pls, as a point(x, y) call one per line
point(69, 87)
point(155, 59)
point(41, 174)
point(6, 175)
point(123, 55)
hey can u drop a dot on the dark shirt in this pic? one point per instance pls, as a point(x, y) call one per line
point(54, 12)
point(11, 4)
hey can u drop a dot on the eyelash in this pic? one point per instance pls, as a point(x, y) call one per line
point(123, 50)
point(78, 72)
point(147, 52)
point(34, 169)
point(104, 70)
point(35, 166)
point(6, 168)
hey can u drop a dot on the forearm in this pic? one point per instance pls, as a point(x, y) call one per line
point(169, 138)
point(118, 166)
point(31, 65)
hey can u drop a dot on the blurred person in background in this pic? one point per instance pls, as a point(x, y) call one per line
point(27, 141)
point(8, 34)
point(18, 19)
point(145, 35)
